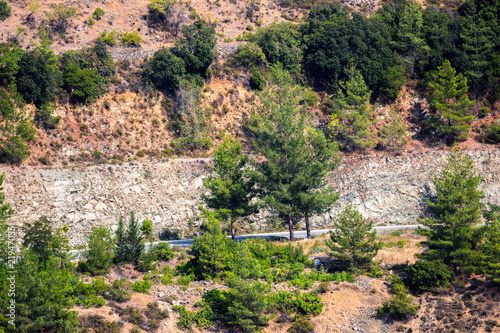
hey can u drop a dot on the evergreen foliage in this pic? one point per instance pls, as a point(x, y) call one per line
point(281, 134)
point(491, 249)
point(351, 115)
point(5, 10)
point(165, 70)
point(232, 190)
point(409, 41)
point(448, 96)
point(247, 304)
point(17, 129)
point(162, 11)
point(353, 242)
point(248, 55)
point(196, 47)
point(134, 239)
point(37, 237)
point(121, 246)
point(453, 235)
point(100, 254)
point(43, 295)
point(211, 255)
point(425, 275)
point(281, 43)
point(38, 76)
point(400, 305)
point(333, 39)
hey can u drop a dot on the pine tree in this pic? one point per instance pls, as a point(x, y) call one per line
point(16, 129)
point(350, 119)
point(409, 38)
point(453, 236)
point(134, 239)
point(38, 236)
point(353, 241)
point(314, 195)
point(279, 133)
point(231, 191)
point(394, 133)
point(100, 251)
point(120, 241)
point(448, 96)
point(210, 250)
point(477, 42)
point(491, 249)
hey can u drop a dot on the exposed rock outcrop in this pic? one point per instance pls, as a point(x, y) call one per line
point(387, 189)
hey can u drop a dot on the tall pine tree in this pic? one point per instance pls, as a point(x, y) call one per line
point(453, 234)
point(134, 239)
point(314, 195)
point(280, 136)
point(351, 112)
point(121, 245)
point(231, 190)
point(448, 97)
point(17, 129)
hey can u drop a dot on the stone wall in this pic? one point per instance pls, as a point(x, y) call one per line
point(387, 189)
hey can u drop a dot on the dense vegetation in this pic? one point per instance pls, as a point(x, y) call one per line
point(356, 60)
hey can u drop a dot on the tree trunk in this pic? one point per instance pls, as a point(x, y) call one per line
point(308, 228)
point(290, 226)
point(233, 236)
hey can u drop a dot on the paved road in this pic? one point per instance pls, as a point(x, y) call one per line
point(183, 243)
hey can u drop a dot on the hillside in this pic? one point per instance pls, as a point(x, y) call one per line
point(128, 123)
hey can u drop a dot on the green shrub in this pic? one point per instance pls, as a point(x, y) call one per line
point(492, 133)
point(400, 304)
point(146, 262)
point(132, 39)
point(100, 286)
point(98, 324)
point(119, 291)
point(142, 286)
point(132, 315)
point(154, 313)
point(91, 301)
point(392, 82)
point(44, 116)
point(163, 251)
point(257, 82)
point(323, 287)
point(185, 280)
point(147, 227)
point(5, 10)
point(165, 69)
point(98, 13)
point(425, 275)
point(248, 55)
point(196, 47)
point(100, 251)
point(301, 325)
point(108, 38)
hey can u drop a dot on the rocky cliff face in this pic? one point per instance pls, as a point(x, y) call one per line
point(389, 190)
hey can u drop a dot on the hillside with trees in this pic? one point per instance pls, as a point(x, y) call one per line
point(277, 92)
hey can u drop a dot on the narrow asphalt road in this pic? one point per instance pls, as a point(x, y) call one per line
point(298, 234)
point(183, 243)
